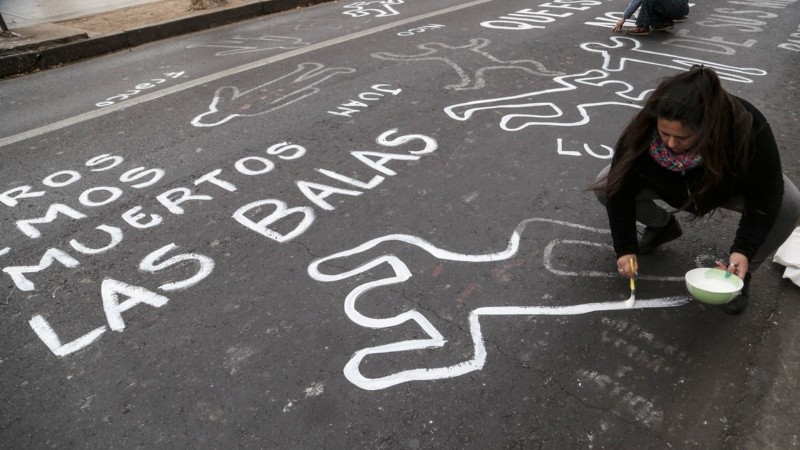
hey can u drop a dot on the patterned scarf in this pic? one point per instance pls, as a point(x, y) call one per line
point(676, 162)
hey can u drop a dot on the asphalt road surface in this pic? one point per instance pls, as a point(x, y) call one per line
point(367, 225)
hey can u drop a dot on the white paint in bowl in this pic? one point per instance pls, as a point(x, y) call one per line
point(712, 285)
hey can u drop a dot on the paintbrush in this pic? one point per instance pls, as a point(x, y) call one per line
point(629, 302)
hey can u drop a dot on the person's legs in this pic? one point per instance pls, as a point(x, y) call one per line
point(673, 9)
point(656, 13)
point(648, 212)
point(644, 18)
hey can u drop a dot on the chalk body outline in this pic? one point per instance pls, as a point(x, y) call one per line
point(305, 72)
point(615, 56)
point(359, 8)
point(592, 77)
point(433, 51)
point(435, 339)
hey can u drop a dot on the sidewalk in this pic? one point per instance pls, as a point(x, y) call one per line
point(26, 13)
point(46, 45)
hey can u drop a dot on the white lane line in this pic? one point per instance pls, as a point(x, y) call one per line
point(225, 73)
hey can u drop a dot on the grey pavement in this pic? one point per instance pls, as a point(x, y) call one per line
point(772, 424)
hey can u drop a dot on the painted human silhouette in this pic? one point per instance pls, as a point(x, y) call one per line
point(377, 8)
point(624, 52)
point(242, 44)
point(470, 62)
point(556, 106)
point(384, 298)
point(230, 102)
point(560, 107)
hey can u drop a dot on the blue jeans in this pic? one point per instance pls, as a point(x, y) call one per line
point(658, 12)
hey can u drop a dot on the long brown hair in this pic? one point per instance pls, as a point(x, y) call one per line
point(697, 100)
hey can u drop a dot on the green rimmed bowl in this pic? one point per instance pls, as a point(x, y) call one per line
point(712, 286)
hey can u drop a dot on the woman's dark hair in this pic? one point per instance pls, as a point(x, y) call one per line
point(697, 100)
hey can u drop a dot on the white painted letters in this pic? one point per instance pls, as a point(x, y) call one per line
point(141, 172)
point(262, 226)
point(113, 194)
point(111, 290)
point(116, 238)
point(72, 176)
point(243, 169)
point(26, 225)
point(283, 147)
point(378, 160)
point(430, 143)
point(50, 256)
point(149, 264)
point(133, 218)
point(185, 196)
point(10, 196)
point(51, 340)
point(317, 193)
point(211, 177)
point(100, 159)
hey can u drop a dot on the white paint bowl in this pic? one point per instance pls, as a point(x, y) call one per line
point(712, 286)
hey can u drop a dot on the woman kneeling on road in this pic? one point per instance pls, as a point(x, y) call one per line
point(698, 148)
point(660, 15)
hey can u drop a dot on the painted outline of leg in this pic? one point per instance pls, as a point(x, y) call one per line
point(435, 338)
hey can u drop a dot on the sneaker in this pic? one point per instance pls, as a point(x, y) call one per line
point(665, 26)
point(653, 237)
point(682, 19)
point(738, 304)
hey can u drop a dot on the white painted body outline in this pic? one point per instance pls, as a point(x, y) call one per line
point(624, 50)
point(435, 338)
point(676, 62)
point(359, 8)
point(304, 73)
point(238, 44)
point(530, 100)
point(431, 52)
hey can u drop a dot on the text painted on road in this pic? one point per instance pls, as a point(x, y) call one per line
point(793, 41)
point(528, 19)
point(269, 217)
point(354, 106)
point(138, 89)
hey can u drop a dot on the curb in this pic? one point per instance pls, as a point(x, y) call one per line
point(45, 58)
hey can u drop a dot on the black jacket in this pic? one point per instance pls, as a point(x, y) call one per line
point(761, 188)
